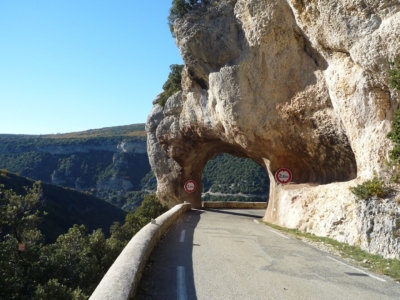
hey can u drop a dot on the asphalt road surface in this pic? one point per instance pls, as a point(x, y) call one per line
point(228, 254)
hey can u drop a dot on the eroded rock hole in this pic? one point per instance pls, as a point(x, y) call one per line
point(230, 178)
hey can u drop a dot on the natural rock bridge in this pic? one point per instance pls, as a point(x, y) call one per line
point(287, 83)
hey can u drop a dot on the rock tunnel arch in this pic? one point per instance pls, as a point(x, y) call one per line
point(179, 152)
point(198, 161)
point(192, 152)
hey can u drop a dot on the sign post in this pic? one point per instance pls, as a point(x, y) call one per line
point(190, 186)
point(283, 176)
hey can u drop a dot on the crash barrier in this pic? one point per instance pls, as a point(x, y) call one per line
point(235, 204)
point(123, 277)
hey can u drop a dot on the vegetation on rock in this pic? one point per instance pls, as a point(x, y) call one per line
point(370, 188)
point(172, 85)
point(378, 187)
point(178, 9)
point(394, 74)
point(394, 135)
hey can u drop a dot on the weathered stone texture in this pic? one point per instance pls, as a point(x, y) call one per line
point(295, 84)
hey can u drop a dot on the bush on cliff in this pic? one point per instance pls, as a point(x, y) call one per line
point(394, 135)
point(394, 74)
point(376, 187)
point(178, 10)
point(172, 85)
point(370, 188)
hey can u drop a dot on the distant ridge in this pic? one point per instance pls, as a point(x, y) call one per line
point(124, 130)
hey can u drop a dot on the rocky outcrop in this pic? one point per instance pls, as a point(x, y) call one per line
point(378, 222)
point(295, 84)
point(135, 147)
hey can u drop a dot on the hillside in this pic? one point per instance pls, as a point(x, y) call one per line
point(229, 178)
point(112, 164)
point(107, 162)
point(66, 207)
point(134, 130)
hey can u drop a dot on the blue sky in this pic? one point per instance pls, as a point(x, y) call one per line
point(75, 65)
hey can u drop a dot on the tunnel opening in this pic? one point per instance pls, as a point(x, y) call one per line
point(228, 178)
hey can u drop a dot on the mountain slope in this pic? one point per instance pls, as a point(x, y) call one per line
point(112, 164)
point(106, 162)
point(66, 207)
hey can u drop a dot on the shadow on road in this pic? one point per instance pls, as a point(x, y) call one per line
point(236, 213)
point(169, 271)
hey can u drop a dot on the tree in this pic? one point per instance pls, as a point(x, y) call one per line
point(150, 208)
point(178, 10)
point(19, 217)
point(55, 290)
point(76, 259)
point(172, 85)
point(73, 266)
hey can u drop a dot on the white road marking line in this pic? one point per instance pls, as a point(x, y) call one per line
point(256, 221)
point(320, 277)
point(375, 277)
point(181, 283)
point(182, 238)
point(279, 234)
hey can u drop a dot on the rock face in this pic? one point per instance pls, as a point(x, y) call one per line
point(287, 83)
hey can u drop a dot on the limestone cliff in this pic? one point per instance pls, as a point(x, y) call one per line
point(288, 83)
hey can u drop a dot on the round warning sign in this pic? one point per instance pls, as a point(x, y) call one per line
point(283, 175)
point(190, 186)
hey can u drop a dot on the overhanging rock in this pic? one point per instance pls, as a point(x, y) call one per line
point(295, 84)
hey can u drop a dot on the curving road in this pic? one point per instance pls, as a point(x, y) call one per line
point(227, 254)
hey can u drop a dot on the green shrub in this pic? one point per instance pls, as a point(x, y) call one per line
point(172, 85)
point(394, 74)
point(72, 266)
point(369, 188)
point(178, 9)
point(394, 136)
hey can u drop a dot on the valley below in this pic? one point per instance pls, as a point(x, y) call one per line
point(112, 164)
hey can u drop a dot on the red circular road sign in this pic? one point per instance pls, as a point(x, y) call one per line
point(283, 175)
point(190, 186)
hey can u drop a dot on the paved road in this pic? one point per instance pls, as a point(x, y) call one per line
point(226, 254)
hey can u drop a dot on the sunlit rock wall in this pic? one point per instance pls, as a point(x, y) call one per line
point(295, 84)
